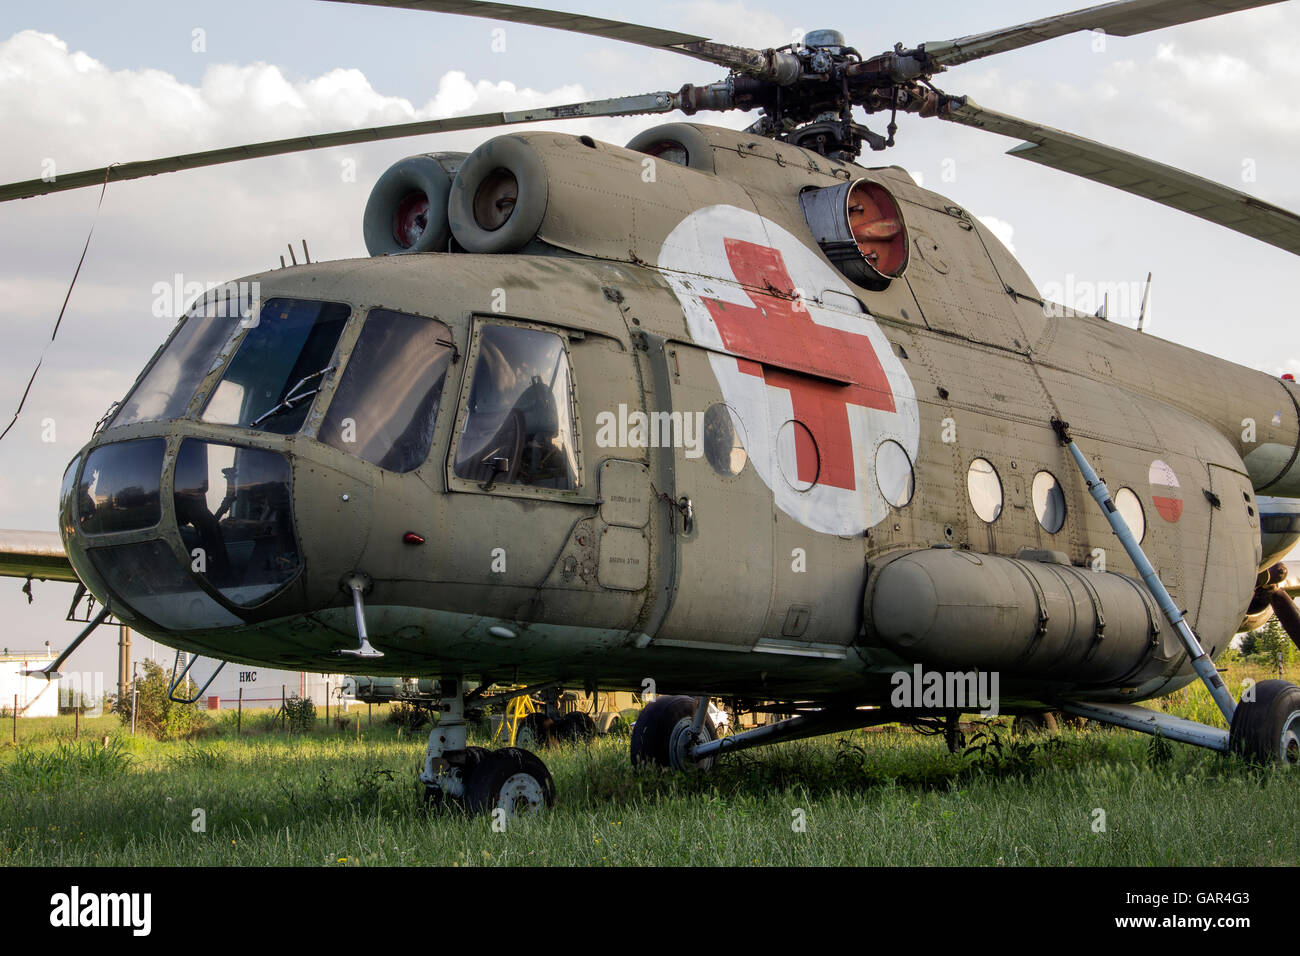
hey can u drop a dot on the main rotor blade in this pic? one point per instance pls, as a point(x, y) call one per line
point(701, 48)
point(620, 106)
point(1125, 18)
point(1137, 175)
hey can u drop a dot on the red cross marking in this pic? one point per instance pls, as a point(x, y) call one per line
point(785, 347)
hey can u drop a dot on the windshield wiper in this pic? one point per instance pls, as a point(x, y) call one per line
point(293, 397)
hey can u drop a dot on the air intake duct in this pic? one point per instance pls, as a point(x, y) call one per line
point(407, 209)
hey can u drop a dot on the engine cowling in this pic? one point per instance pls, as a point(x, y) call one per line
point(498, 199)
point(407, 209)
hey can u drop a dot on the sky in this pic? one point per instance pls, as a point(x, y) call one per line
point(83, 84)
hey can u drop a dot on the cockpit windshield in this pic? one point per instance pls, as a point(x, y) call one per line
point(166, 389)
point(281, 364)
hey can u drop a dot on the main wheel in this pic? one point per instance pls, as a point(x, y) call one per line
point(1041, 723)
point(1266, 730)
point(512, 780)
point(535, 731)
point(659, 735)
point(575, 726)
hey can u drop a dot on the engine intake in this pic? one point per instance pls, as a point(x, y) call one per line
point(407, 209)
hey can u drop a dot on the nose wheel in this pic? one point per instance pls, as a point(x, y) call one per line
point(510, 779)
point(479, 780)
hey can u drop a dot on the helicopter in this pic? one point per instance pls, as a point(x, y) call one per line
point(718, 413)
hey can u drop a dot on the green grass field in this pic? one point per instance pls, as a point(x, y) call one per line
point(325, 798)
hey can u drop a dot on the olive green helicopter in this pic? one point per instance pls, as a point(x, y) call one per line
point(718, 413)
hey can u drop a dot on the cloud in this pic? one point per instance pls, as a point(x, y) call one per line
point(208, 225)
point(1002, 229)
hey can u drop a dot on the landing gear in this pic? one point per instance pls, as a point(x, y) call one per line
point(480, 780)
point(1266, 730)
point(666, 730)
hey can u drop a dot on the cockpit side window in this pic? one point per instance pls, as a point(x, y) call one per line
point(519, 421)
point(281, 364)
point(386, 403)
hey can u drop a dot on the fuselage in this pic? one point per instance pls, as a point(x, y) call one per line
point(669, 440)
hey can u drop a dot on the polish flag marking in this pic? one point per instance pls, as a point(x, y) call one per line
point(1166, 492)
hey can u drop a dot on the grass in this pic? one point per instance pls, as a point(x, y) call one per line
point(327, 799)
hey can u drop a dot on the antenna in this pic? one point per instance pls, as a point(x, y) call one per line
point(292, 257)
point(306, 256)
point(1142, 313)
point(1104, 311)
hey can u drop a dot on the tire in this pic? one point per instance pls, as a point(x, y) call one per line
point(428, 175)
point(652, 734)
point(503, 154)
point(434, 799)
point(536, 730)
point(513, 780)
point(473, 757)
point(1040, 723)
point(574, 727)
point(1266, 730)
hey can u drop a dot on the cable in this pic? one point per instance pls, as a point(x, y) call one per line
point(22, 401)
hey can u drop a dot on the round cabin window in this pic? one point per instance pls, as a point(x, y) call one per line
point(797, 455)
point(894, 474)
point(724, 440)
point(1049, 502)
point(1130, 509)
point(985, 490)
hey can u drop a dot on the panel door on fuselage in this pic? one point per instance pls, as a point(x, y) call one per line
point(723, 526)
point(526, 452)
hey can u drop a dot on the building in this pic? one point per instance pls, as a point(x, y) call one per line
point(35, 696)
point(265, 686)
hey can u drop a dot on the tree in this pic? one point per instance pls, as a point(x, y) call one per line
point(155, 712)
point(1264, 643)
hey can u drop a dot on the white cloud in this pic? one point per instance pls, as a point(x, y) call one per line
point(1002, 229)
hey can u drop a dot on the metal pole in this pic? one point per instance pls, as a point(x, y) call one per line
point(76, 720)
point(327, 704)
point(1201, 662)
point(135, 694)
point(15, 718)
point(239, 716)
point(123, 658)
point(284, 714)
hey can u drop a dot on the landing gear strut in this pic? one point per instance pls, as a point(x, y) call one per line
point(480, 780)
